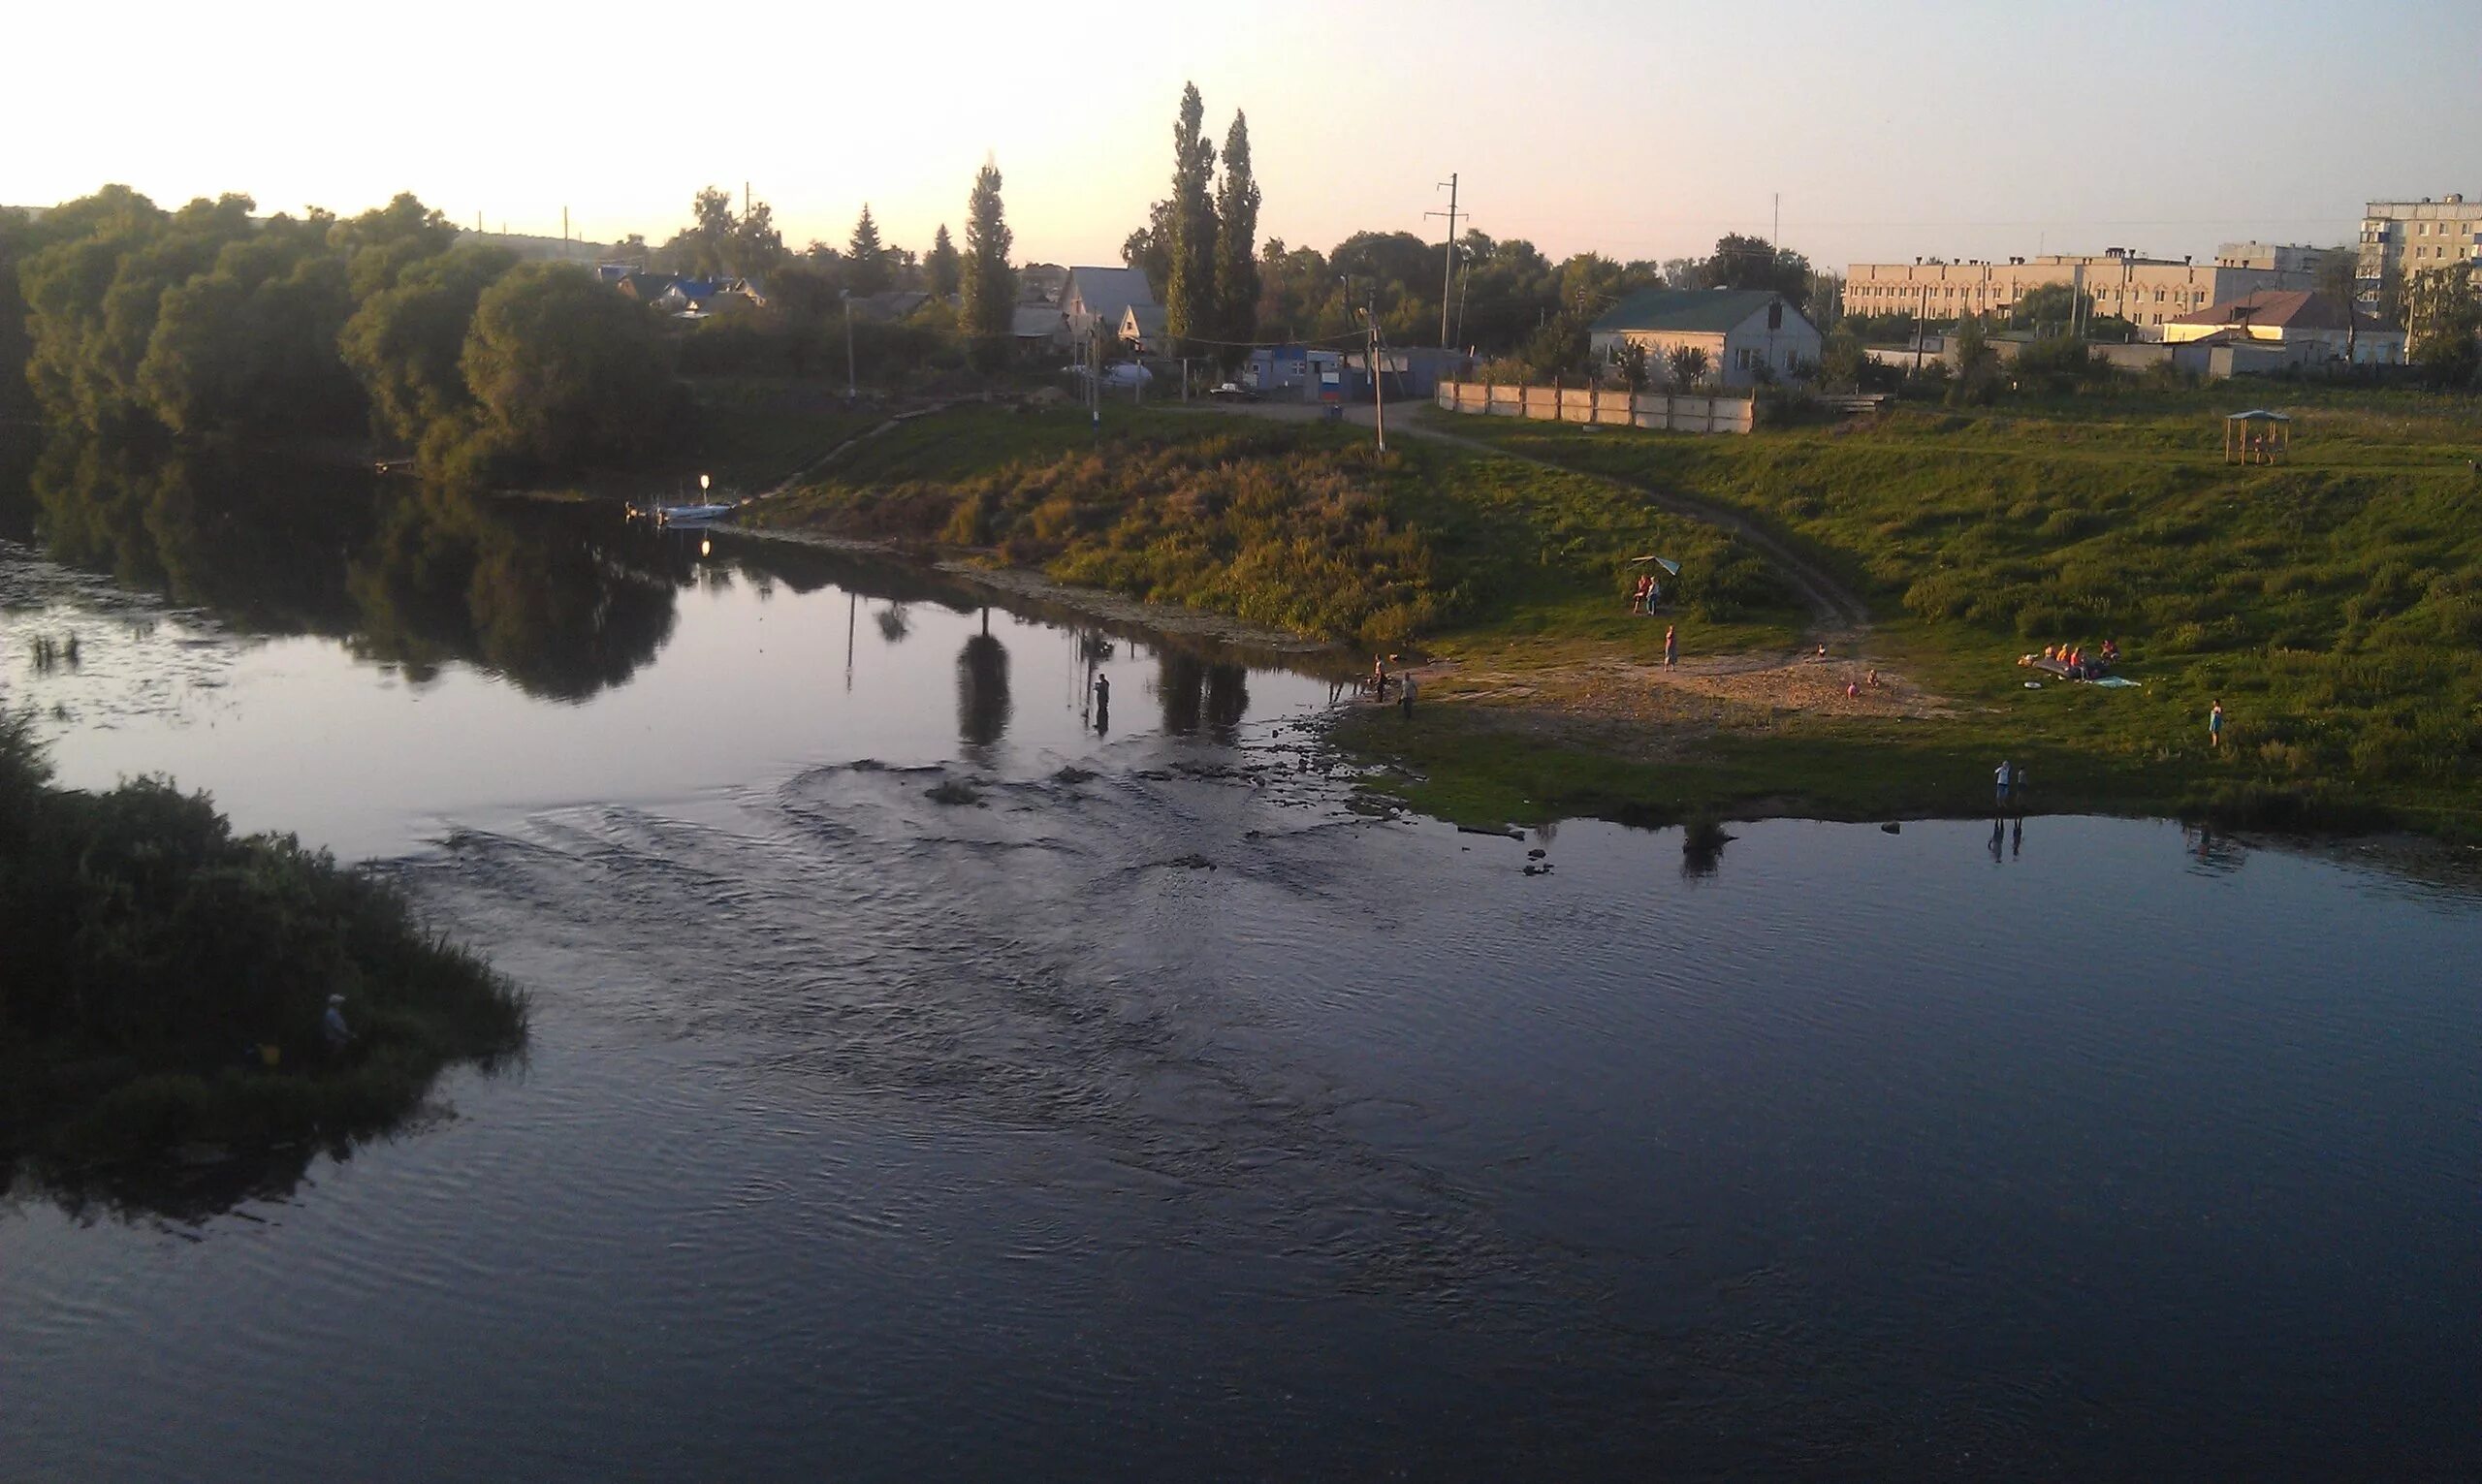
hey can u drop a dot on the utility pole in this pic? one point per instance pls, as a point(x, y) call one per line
point(852, 390)
point(1448, 284)
point(1377, 389)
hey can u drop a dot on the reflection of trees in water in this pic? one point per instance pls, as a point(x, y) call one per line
point(1227, 699)
point(1196, 692)
point(1180, 688)
point(894, 623)
point(454, 576)
point(982, 689)
point(564, 601)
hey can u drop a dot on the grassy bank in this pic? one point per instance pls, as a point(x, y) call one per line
point(153, 955)
point(1294, 525)
point(2334, 604)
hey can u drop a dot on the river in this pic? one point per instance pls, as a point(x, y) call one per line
point(1166, 1112)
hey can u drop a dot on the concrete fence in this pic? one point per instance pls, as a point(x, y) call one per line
point(1617, 406)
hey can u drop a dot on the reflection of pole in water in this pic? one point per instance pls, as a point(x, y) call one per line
point(852, 618)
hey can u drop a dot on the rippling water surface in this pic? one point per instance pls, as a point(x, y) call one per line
point(1161, 1115)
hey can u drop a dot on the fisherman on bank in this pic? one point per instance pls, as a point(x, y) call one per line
point(333, 1029)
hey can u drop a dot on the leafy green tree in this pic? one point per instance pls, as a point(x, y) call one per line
point(990, 284)
point(250, 345)
point(405, 344)
point(942, 265)
point(1754, 262)
point(2050, 306)
point(1236, 241)
point(866, 257)
point(563, 372)
point(755, 247)
point(382, 242)
point(93, 296)
point(1149, 249)
point(1842, 363)
point(1188, 294)
point(2443, 317)
point(1688, 367)
point(1976, 380)
point(1631, 364)
point(2339, 272)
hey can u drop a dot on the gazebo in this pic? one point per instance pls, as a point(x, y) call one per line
point(2256, 436)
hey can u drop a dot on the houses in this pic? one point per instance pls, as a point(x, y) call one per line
point(2313, 326)
point(1036, 330)
point(1101, 296)
point(1142, 330)
point(1748, 335)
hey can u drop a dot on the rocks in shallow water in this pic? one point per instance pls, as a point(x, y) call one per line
point(1072, 776)
point(1192, 861)
point(1892, 828)
point(1536, 853)
point(951, 791)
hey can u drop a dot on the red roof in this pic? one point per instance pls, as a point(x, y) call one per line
point(2277, 309)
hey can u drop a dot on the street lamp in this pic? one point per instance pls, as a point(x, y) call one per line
point(851, 395)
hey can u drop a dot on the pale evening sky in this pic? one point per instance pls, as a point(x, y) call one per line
point(1638, 130)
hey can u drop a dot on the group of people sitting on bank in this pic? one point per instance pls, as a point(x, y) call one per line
point(1648, 595)
point(2075, 661)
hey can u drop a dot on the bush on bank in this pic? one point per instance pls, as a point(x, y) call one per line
point(154, 954)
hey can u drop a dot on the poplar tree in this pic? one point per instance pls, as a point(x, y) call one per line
point(1236, 241)
point(1188, 293)
point(990, 284)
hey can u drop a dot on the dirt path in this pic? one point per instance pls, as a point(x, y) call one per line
point(1837, 611)
point(1839, 614)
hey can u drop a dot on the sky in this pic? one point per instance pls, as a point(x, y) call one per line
point(1879, 131)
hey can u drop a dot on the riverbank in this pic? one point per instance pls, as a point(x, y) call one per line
point(2330, 604)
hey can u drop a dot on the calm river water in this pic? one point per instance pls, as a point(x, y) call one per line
point(1161, 1115)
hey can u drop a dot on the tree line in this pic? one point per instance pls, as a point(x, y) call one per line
point(208, 321)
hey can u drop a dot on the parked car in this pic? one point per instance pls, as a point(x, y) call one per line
point(1233, 392)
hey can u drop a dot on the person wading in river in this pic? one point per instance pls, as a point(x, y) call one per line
point(1404, 695)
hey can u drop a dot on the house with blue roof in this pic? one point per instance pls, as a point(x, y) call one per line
point(1750, 336)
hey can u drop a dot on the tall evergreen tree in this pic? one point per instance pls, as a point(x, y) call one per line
point(866, 257)
point(942, 264)
point(1236, 241)
point(1188, 294)
point(990, 284)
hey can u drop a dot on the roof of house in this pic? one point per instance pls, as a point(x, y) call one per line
point(1107, 291)
point(2277, 309)
point(1032, 321)
point(1688, 311)
point(1150, 318)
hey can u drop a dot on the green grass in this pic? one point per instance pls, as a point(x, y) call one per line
point(1297, 526)
point(750, 432)
point(2333, 604)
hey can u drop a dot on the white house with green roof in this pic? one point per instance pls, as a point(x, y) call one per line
point(1740, 331)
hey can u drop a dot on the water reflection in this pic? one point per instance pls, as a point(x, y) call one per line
point(561, 602)
point(982, 688)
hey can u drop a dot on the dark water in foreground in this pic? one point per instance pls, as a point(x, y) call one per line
point(1179, 1122)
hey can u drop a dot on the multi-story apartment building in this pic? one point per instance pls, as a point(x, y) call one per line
point(2141, 290)
point(2412, 237)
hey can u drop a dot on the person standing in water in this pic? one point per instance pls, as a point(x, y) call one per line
point(1102, 703)
point(1672, 645)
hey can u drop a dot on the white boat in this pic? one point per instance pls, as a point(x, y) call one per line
point(690, 514)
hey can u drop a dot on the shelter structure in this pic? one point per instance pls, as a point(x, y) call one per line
point(2256, 436)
